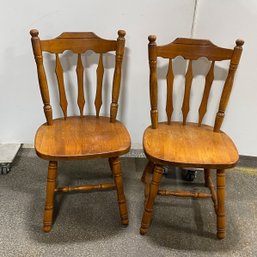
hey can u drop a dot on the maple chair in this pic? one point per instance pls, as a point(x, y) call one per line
point(82, 136)
point(188, 144)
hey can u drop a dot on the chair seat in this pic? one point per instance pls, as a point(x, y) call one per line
point(81, 138)
point(189, 146)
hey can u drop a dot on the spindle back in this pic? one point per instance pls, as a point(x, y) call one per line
point(78, 43)
point(191, 49)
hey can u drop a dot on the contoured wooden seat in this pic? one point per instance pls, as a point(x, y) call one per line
point(81, 136)
point(188, 144)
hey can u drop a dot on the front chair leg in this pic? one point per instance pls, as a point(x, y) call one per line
point(146, 178)
point(116, 169)
point(221, 204)
point(147, 216)
point(49, 204)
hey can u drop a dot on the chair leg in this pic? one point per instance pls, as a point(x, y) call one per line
point(221, 204)
point(116, 169)
point(147, 216)
point(148, 169)
point(110, 164)
point(206, 176)
point(49, 204)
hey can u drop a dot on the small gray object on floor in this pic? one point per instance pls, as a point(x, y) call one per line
point(7, 155)
point(88, 224)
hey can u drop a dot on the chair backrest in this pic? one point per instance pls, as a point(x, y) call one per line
point(191, 49)
point(78, 43)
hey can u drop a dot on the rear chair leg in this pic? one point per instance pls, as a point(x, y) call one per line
point(116, 169)
point(206, 177)
point(49, 204)
point(147, 216)
point(221, 204)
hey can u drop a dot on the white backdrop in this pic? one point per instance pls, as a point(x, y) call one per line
point(221, 21)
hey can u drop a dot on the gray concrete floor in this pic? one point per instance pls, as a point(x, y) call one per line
point(88, 224)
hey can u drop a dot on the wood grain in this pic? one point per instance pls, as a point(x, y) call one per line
point(82, 138)
point(189, 146)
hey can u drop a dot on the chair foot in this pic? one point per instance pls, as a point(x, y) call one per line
point(49, 204)
point(143, 231)
point(221, 235)
point(46, 228)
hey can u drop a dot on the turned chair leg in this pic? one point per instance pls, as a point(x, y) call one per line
point(206, 177)
point(221, 204)
point(49, 204)
point(147, 216)
point(146, 178)
point(116, 169)
point(148, 170)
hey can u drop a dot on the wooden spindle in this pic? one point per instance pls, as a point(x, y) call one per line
point(188, 84)
point(169, 103)
point(69, 189)
point(117, 75)
point(228, 85)
point(206, 93)
point(62, 95)
point(41, 75)
point(81, 97)
point(98, 96)
point(164, 192)
point(152, 51)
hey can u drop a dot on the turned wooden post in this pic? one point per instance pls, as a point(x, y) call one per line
point(41, 75)
point(228, 85)
point(146, 178)
point(221, 204)
point(147, 216)
point(117, 75)
point(116, 169)
point(152, 51)
point(50, 189)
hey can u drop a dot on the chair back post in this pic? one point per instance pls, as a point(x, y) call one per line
point(117, 75)
point(152, 51)
point(228, 84)
point(41, 75)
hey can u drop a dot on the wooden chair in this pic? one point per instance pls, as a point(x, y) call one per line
point(187, 144)
point(80, 137)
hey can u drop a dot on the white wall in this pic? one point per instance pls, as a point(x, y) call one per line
point(222, 21)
